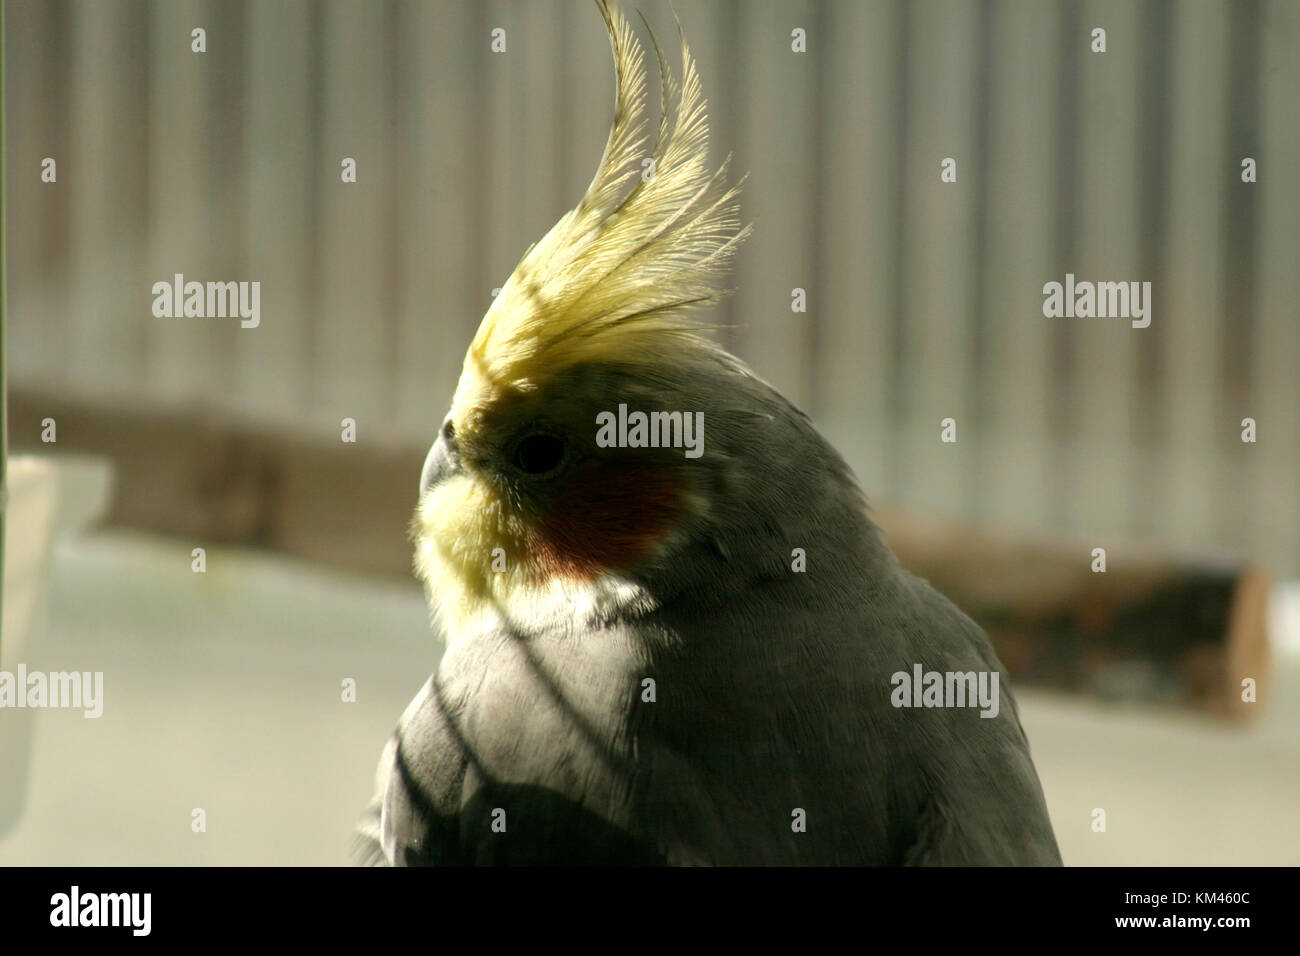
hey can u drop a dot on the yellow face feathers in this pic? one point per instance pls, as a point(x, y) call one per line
point(616, 278)
point(615, 281)
point(470, 548)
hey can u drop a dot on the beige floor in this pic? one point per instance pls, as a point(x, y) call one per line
point(222, 692)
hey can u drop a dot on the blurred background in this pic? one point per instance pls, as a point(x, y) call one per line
point(924, 302)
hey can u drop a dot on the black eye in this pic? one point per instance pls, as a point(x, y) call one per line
point(538, 453)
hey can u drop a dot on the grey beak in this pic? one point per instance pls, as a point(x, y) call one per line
point(443, 459)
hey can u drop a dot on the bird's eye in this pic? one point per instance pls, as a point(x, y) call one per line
point(538, 453)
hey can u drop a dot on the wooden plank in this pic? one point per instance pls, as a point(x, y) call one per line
point(505, 82)
point(110, 295)
point(859, 255)
point(1191, 299)
point(1022, 220)
point(1156, 629)
point(437, 218)
point(282, 172)
point(351, 363)
point(532, 105)
point(1103, 399)
point(587, 96)
point(937, 254)
point(581, 98)
point(226, 184)
point(776, 144)
point(181, 348)
point(38, 325)
point(1273, 501)
point(213, 478)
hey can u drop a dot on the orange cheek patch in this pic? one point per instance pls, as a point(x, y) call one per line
point(609, 517)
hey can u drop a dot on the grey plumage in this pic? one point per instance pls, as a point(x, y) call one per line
point(570, 589)
point(772, 687)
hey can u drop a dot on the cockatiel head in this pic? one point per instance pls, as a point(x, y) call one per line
point(568, 572)
point(520, 506)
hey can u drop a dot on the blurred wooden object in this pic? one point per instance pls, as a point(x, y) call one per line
point(1150, 627)
point(212, 478)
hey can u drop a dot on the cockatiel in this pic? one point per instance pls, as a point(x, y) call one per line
point(636, 671)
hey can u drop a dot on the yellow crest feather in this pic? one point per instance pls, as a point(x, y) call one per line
point(617, 276)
